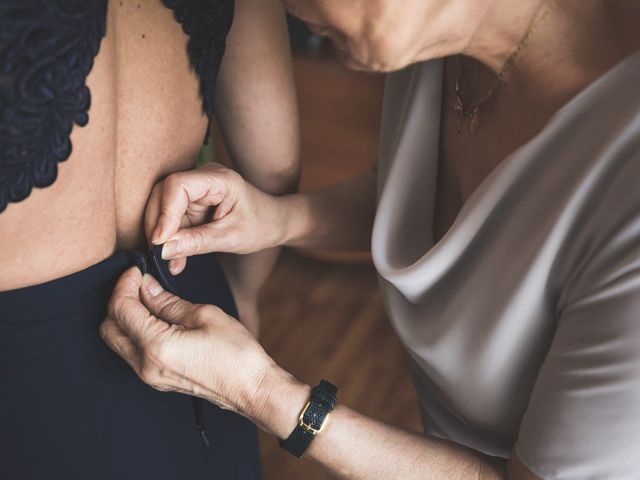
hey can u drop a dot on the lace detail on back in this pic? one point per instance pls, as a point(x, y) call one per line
point(207, 23)
point(47, 49)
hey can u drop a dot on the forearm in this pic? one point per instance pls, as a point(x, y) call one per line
point(248, 273)
point(353, 446)
point(339, 217)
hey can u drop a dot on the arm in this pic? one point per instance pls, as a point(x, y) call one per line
point(583, 416)
point(199, 350)
point(256, 108)
point(256, 104)
point(338, 217)
point(354, 446)
point(245, 220)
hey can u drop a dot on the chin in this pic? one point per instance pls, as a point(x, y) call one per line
point(373, 64)
point(351, 63)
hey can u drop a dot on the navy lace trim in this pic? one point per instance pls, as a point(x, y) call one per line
point(47, 49)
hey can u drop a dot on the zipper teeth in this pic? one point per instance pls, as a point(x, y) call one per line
point(139, 259)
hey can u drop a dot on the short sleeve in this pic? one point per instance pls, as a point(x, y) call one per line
point(583, 418)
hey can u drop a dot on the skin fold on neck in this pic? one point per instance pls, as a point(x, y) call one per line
point(576, 43)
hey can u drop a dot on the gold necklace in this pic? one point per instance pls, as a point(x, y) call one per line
point(472, 110)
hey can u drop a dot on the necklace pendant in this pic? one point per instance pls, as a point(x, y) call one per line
point(458, 107)
point(473, 117)
point(473, 123)
point(465, 112)
point(458, 104)
point(472, 110)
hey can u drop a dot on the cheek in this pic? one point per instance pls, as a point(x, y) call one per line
point(361, 44)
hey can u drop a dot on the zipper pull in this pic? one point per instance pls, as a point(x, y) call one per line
point(138, 259)
point(198, 405)
point(203, 436)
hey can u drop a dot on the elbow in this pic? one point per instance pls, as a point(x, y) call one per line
point(276, 177)
point(285, 179)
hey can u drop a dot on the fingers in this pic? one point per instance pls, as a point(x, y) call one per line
point(167, 306)
point(153, 210)
point(210, 237)
point(205, 187)
point(128, 285)
point(118, 341)
point(177, 265)
point(128, 312)
point(173, 207)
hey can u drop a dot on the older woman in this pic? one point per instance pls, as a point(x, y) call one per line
point(507, 238)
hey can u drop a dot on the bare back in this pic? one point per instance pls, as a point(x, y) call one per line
point(146, 120)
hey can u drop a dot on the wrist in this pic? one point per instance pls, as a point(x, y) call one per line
point(295, 213)
point(282, 398)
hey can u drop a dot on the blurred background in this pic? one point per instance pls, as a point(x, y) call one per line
point(322, 316)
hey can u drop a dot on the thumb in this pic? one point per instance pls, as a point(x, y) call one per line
point(201, 189)
point(211, 237)
point(166, 306)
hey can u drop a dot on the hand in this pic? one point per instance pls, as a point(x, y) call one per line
point(211, 209)
point(174, 345)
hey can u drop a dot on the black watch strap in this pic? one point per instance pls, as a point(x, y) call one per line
point(312, 418)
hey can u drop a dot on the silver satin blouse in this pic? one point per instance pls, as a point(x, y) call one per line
point(523, 321)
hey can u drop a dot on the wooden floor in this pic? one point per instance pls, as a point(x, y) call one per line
point(324, 320)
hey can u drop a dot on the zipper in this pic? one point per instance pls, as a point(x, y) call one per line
point(151, 262)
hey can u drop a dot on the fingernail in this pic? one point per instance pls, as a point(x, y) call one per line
point(173, 267)
point(170, 250)
point(155, 237)
point(151, 285)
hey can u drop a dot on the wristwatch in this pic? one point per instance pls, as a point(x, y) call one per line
point(312, 419)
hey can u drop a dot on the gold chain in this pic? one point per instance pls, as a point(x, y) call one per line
point(472, 111)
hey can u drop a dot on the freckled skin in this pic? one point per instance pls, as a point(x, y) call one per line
point(146, 122)
point(145, 128)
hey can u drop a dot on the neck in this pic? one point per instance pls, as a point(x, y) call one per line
point(486, 30)
point(490, 30)
point(576, 42)
point(500, 26)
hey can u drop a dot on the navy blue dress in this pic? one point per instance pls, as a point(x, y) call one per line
point(70, 408)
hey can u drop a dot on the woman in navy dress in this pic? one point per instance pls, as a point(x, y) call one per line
point(98, 101)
